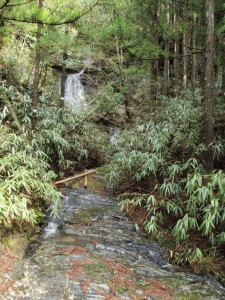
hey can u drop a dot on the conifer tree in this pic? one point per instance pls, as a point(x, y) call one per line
point(209, 85)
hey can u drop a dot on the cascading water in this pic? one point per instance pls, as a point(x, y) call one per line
point(74, 92)
point(96, 254)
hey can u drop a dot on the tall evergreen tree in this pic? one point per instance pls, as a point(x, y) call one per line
point(209, 85)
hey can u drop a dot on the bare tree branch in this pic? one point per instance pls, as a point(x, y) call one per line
point(4, 4)
point(11, 5)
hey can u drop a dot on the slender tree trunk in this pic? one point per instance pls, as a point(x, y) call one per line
point(185, 49)
point(119, 51)
point(63, 85)
point(155, 74)
point(155, 63)
point(63, 76)
point(198, 56)
point(37, 70)
point(167, 50)
point(37, 67)
point(209, 85)
point(1, 28)
point(176, 51)
point(223, 67)
point(194, 55)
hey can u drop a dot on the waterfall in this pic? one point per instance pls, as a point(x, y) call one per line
point(74, 92)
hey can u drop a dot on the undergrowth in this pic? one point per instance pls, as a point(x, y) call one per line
point(25, 182)
point(31, 158)
point(158, 166)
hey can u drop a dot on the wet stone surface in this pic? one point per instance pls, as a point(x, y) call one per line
point(93, 252)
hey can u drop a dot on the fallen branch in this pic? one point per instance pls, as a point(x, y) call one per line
point(75, 177)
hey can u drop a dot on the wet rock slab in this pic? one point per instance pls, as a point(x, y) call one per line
point(93, 252)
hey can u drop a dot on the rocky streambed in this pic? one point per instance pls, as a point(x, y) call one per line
point(92, 251)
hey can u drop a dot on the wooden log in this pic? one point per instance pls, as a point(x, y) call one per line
point(74, 177)
point(85, 182)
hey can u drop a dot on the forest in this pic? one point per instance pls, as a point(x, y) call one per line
point(153, 71)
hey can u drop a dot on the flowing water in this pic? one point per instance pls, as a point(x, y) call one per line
point(74, 92)
point(92, 251)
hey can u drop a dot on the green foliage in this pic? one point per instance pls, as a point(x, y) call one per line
point(159, 160)
point(107, 102)
point(152, 148)
point(64, 136)
point(163, 157)
point(17, 54)
point(25, 182)
point(62, 140)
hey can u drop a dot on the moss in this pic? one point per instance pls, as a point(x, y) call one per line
point(189, 296)
point(97, 209)
point(85, 214)
point(95, 269)
point(174, 283)
point(121, 288)
point(12, 250)
point(81, 216)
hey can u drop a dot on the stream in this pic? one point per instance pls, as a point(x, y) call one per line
point(92, 251)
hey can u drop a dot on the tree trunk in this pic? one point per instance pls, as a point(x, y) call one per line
point(194, 55)
point(119, 51)
point(223, 67)
point(155, 63)
point(37, 67)
point(198, 56)
point(209, 85)
point(185, 49)
point(176, 52)
point(63, 82)
point(166, 69)
point(63, 86)
point(167, 50)
point(1, 28)
point(63, 77)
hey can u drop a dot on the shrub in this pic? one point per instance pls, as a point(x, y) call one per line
point(62, 135)
point(158, 165)
point(61, 139)
point(25, 182)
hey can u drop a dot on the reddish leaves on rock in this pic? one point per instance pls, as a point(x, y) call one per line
point(76, 270)
point(116, 267)
point(111, 297)
point(7, 264)
point(84, 285)
point(124, 279)
point(7, 260)
point(75, 250)
point(5, 286)
point(95, 243)
point(66, 251)
point(157, 289)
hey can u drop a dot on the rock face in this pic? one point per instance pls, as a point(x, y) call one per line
point(93, 252)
